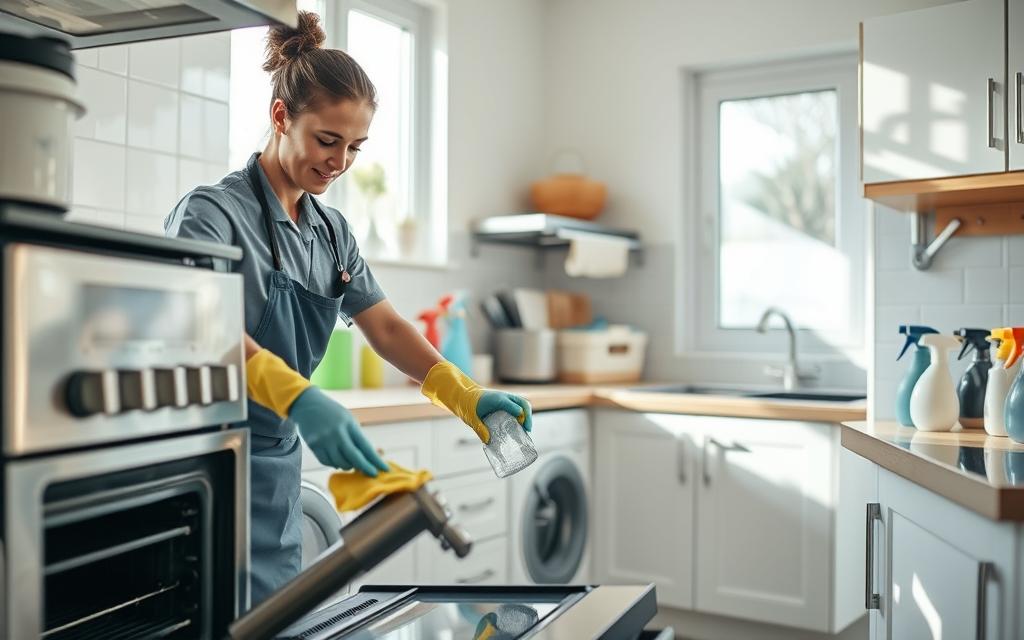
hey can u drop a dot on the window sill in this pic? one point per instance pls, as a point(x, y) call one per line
point(412, 263)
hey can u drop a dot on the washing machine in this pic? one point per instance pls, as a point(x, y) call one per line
point(550, 503)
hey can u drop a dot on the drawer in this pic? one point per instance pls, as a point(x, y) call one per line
point(456, 448)
point(407, 443)
point(487, 563)
point(478, 503)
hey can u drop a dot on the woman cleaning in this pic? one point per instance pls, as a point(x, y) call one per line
point(302, 270)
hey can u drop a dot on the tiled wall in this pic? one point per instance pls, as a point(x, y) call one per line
point(156, 125)
point(973, 282)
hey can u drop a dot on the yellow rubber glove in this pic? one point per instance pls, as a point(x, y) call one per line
point(447, 387)
point(272, 383)
point(354, 490)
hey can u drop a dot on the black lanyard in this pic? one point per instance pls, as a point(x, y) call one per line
point(268, 220)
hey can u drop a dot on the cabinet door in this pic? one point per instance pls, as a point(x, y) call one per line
point(408, 444)
point(947, 569)
point(764, 521)
point(929, 109)
point(644, 477)
point(859, 538)
point(1015, 81)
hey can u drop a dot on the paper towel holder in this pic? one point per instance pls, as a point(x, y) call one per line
point(542, 231)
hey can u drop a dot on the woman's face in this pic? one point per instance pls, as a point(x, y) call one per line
point(320, 144)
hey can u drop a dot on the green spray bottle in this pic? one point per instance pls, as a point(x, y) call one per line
point(921, 360)
point(971, 389)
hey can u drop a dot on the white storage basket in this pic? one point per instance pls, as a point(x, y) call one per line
point(613, 355)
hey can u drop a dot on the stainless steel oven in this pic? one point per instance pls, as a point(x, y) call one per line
point(125, 492)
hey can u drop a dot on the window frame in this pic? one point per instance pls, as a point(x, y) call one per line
point(700, 333)
point(428, 138)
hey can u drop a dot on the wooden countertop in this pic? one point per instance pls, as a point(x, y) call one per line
point(978, 471)
point(376, 406)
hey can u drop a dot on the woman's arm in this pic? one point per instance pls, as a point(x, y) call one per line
point(396, 340)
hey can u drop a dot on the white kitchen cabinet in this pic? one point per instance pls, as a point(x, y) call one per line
point(408, 444)
point(934, 91)
point(945, 567)
point(764, 521)
point(937, 568)
point(1015, 82)
point(644, 478)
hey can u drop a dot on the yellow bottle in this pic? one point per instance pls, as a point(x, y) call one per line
point(371, 369)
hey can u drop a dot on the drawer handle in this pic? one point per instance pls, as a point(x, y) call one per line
point(990, 116)
point(479, 505)
point(984, 572)
point(871, 599)
point(467, 442)
point(480, 577)
point(1018, 80)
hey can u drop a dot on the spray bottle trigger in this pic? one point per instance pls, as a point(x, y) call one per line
point(906, 345)
point(965, 349)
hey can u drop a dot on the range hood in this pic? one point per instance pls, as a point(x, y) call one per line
point(95, 23)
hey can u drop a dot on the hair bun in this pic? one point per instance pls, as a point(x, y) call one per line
point(285, 44)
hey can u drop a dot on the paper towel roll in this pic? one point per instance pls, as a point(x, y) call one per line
point(594, 256)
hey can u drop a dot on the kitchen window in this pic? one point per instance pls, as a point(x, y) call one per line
point(779, 220)
point(393, 196)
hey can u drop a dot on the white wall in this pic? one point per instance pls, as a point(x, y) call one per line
point(156, 125)
point(613, 81)
point(973, 282)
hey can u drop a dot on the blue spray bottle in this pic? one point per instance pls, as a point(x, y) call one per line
point(455, 345)
point(920, 362)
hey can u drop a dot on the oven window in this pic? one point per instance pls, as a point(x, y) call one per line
point(140, 553)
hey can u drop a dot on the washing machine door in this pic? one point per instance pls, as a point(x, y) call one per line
point(321, 524)
point(555, 522)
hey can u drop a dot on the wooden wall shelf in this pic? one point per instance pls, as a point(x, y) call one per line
point(930, 195)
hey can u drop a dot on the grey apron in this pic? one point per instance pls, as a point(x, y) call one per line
point(296, 325)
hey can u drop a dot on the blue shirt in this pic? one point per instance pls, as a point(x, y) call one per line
point(229, 213)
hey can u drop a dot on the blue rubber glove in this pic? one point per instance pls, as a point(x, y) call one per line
point(333, 434)
point(491, 401)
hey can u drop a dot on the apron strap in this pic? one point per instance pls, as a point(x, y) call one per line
point(330, 233)
point(257, 188)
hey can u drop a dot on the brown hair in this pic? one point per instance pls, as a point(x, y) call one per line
point(303, 73)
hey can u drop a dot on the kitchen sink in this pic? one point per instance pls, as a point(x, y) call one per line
point(805, 394)
point(695, 389)
point(809, 395)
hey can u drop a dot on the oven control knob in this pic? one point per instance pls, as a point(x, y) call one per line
point(171, 388)
point(138, 391)
point(197, 380)
point(88, 393)
point(224, 385)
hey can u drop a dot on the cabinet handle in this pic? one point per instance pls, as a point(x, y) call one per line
point(871, 599)
point(1019, 79)
point(681, 459)
point(991, 118)
point(479, 505)
point(984, 571)
point(708, 442)
point(480, 577)
point(467, 442)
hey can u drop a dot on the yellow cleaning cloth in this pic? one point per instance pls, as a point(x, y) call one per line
point(272, 383)
point(353, 490)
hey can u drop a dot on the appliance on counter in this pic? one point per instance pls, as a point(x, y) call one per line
point(123, 495)
point(550, 538)
point(37, 109)
point(105, 22)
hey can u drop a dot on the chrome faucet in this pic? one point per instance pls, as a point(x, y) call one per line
point(790, 373)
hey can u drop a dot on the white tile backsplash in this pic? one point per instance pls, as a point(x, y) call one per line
point(156, 127)
point(973, 282)
point(113, 59)
point(151, 187)
point(156, 61)
point(106, 97)
point(98, 180)
point(152, 117)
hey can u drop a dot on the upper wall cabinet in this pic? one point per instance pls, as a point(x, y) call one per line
point(1015, 80)
point(933, 91)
